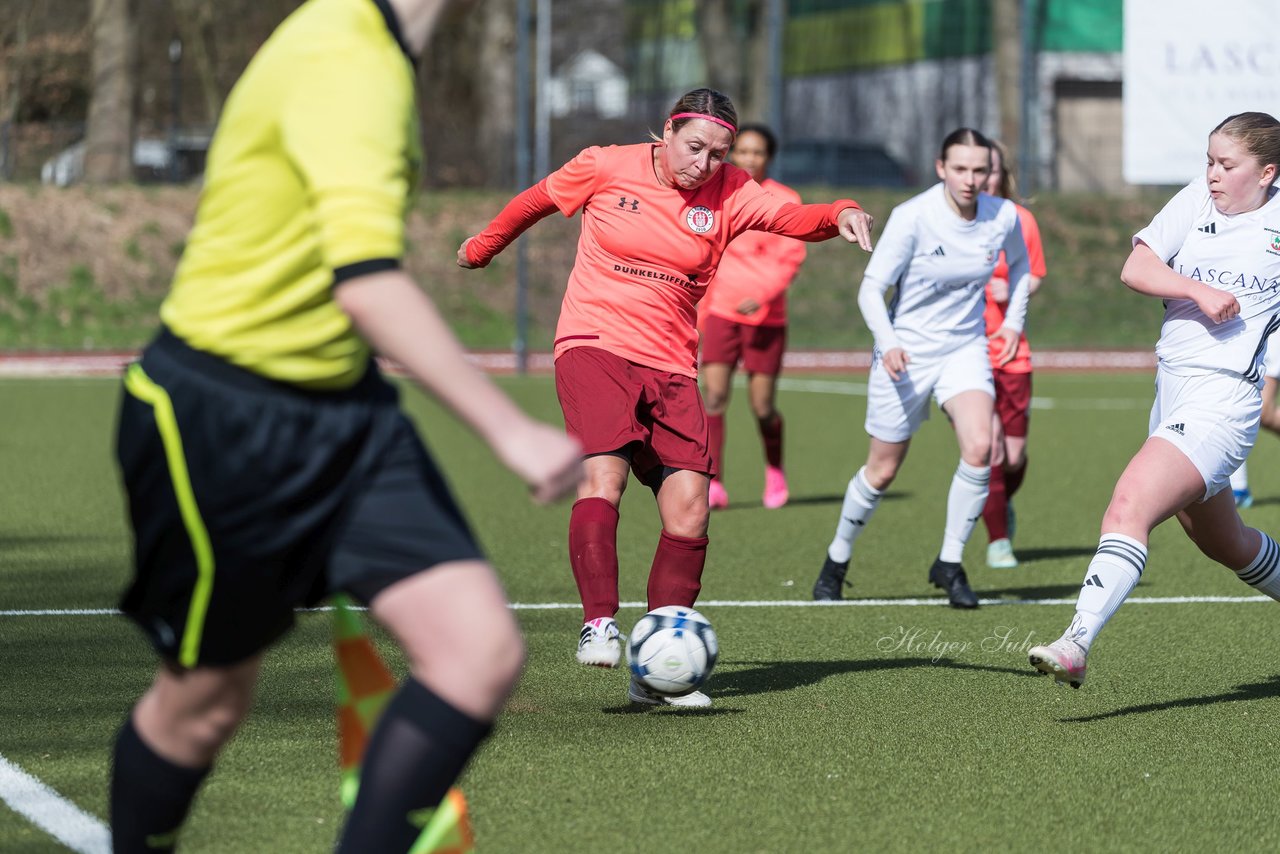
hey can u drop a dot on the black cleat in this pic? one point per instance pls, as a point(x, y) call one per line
point(830, 581)
point(951, 578)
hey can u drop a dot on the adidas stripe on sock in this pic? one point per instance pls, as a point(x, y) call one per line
point(1264, 572)
point(1112, 574)
point(860, 502)
point(965, 501)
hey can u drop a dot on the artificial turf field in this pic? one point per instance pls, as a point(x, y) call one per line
point(888, 724)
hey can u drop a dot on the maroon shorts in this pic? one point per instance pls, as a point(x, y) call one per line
point(1013, 401)
point(759, 347)
point(611, 404)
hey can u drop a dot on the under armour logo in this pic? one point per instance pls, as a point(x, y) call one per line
point(1179, 428)
point(1094, 581)
point(623, 202)
point(1211, 228)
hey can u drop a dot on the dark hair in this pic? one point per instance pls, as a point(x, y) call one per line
point(1257, 133)
point(770, 139)
point(708, 102)
point(963, 136)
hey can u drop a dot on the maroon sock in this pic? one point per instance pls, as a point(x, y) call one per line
point(715, 427)
point(593, 554)
point(771, 435)
point(676, 576)
point(1013, 479)
point(995, 510)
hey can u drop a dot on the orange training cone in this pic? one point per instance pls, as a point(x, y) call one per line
point(364, 687)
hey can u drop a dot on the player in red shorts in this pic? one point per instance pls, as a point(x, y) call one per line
point(656, 218)
point(1013, 380)
point(744, 316)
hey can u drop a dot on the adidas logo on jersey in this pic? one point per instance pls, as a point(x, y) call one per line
point(1179, 428)
point(938, 251)
point(1094, 581)
point(1210, 228)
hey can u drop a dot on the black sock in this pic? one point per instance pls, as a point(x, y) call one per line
point(150, 795)
point(416, 752)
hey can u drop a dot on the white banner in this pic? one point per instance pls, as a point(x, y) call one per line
point(1188, 64)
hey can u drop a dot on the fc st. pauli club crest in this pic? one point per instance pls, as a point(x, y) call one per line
point(700, 219)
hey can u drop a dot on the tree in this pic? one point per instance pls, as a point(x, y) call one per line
point(735, 51)
point(109, 131)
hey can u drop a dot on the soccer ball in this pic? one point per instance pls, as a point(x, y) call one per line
point(672, 650)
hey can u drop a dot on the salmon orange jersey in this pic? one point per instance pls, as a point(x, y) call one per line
point(760, 266)
point(647, 252)
point(994, 314)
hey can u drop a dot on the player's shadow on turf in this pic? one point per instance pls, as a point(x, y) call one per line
point(1250, 691)
point(1051, 553)
point(768, 677)
point(1049, 591)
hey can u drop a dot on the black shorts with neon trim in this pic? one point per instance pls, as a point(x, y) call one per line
point(250, 498)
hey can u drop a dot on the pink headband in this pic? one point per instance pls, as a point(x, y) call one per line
point(720, 122)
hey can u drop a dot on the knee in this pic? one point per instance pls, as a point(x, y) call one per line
point(608, 486)
point(715, 400)
point(483, 667)
point(880, 475)
point(1014, 459)
point(691, 522)
point(206, 730)
point(1124, 514)
point(763, 410)
point(976, 454)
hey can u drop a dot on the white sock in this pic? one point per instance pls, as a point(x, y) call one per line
point(1264, 572)
point(1240, 479)
point(964, 508)
point(860, 501)
point(1112, 574)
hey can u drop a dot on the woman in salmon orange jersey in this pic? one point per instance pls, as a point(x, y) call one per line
point(744, 316)
point(1013, 380)
point(656, 217)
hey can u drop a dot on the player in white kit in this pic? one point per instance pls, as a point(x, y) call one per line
point(938, 250)
point(1213, 255)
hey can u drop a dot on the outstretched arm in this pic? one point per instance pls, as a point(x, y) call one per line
point(822, 222)
point(400, 322)
point(520, 213)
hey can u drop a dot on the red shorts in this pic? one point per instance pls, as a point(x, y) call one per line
point(611, 404)
point(759, 347)
point(1013, 401)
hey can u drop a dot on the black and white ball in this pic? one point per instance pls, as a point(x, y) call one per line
point(672, 650)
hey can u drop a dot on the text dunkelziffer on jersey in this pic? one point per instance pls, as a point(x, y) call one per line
point(1239, 254)
point(940, 264)
point(309, 178)
point(647, 252)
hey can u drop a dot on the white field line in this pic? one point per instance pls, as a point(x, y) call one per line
point(110, 365)
point(51, 812)
point(734, 603)
point(113, 363)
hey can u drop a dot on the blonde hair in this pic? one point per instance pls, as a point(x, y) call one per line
point(1257, 133)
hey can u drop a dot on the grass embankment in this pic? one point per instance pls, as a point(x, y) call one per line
point(86, 268)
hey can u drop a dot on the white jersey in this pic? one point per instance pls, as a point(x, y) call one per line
point(941, 263)
point(1239, 254)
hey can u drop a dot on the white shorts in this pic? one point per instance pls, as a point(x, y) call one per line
point(895, 410)
point(1211, 418)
